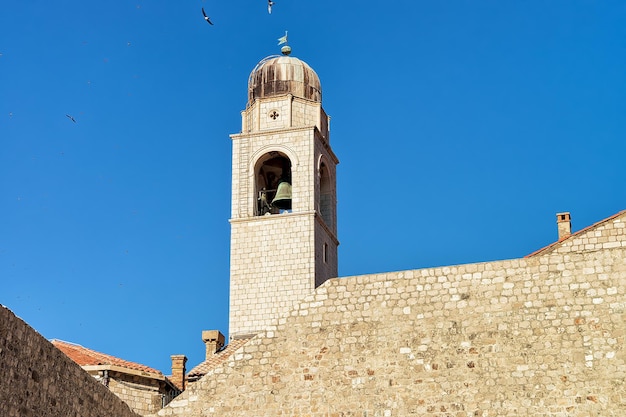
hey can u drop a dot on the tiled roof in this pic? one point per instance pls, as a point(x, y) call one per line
point(573, 235)
point(86, 357)
point(218, 358)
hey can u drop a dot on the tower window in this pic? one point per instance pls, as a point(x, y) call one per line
point(273, 184)
point(326, 198)
point(325, 253)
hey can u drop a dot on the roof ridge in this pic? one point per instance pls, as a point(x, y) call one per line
point(218, 357)
point(579, 232)
point(66, 342)
point(75, 350)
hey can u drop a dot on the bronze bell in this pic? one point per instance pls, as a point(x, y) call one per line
point(283, 196)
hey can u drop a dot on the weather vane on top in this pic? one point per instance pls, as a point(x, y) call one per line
point(286, 50)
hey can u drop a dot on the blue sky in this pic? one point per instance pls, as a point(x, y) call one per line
point(461, 127)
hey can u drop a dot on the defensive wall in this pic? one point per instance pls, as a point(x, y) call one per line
point(38, 380)
point(537, 336)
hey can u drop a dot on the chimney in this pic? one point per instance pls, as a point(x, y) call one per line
point(564, 224)
point(178, 371)
point(214, 341)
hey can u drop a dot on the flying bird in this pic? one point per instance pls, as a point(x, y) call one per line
point(270, 3)
point(71, 118)
point(207, 18)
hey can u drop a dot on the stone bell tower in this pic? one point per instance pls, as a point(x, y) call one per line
point(284, 205)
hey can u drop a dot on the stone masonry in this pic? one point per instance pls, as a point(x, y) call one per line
point(38, 380)
point(141, 394)
point(538, 336)
point(279, 258)
point(542, 335)
point(144, 389)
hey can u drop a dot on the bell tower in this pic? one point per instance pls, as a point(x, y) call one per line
point(284, 205)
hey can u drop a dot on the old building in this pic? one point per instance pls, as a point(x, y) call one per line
point(283, 221)
point(144, 389)
point(542, 335)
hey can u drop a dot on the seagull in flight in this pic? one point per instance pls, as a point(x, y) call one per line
point(270, 3)
point(207, 18)
point(71, 118)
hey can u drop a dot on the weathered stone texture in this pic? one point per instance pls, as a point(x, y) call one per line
point(143, 395)
point(604, 235)
point(542, 336)
point(38, 380)
point(258, 275)
point(277, 259)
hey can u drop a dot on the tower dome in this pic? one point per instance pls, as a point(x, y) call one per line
point(276, 75)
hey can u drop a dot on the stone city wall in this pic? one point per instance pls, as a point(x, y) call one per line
point(541, 336)
point(38, 380)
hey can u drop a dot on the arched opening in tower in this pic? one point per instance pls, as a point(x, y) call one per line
point(325, 195)
point(273, 184)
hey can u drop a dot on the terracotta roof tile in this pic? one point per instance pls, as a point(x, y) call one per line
point(217, 359)
point(578, 233)
point(86, 357)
